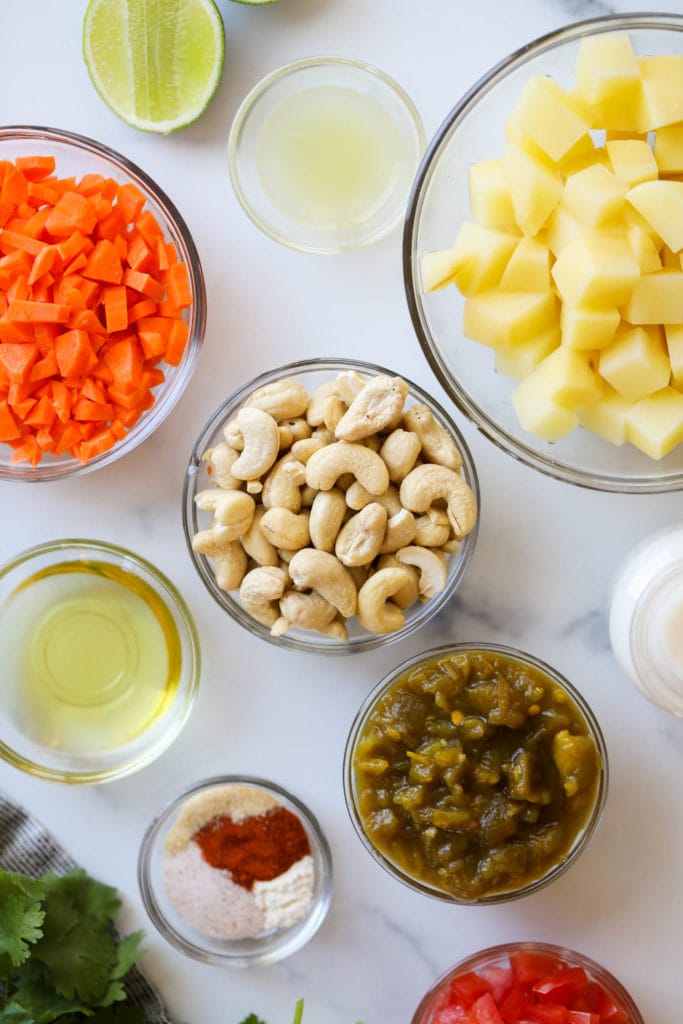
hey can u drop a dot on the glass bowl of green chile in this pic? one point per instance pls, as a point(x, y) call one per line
point(475, 773)
point(101, 662)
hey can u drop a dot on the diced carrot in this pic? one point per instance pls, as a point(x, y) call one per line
point(97, 444)
point(20, 390)
point(141, 309)
point(13, 265)
point(87, 320)
point(171, 253)
point(27, 451)
point(140, 256)
point(111, 225)
point(18, 360)
point(43, 263)
point(61, 400)
point(178, 286)
point(124, 359)
point(38, 312)
point(77, 264)
point(45, 335)
point(115, 308)
point(6, 211)
point(177, 342)
point(104, 263)
point(146, 224)
point(22, 409)
point(73, 352)
point(72, 436)
point(16, 333)
point(34, 168)
point(85, 409)
point(14, 187)
point(118, 430)
point(90, 184)
point(44, 368)
point(163, 262)
point(11, 240)
point(42, 289)
point(93, 390)
point(18, 290)
point(71, 212)
point(101, 206)
point(42, 415)
point(152, 344)
point(40, 192)
point(9, 428)
point(130, 201)
point(72, 246)
point(144, 283)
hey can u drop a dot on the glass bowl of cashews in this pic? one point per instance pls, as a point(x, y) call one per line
point(331, 506)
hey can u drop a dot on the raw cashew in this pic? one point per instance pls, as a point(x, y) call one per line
point(374, 442)
point(325, 467)
point(437, 444)
point(298, 428)
point(399, 533)
point(286, 437)
point(254, 487)
point(324, 573)
point(349, 384)
point(333, 411)
point(360, 574)
point(407, 595)
point(315, 414)
point(376, 612)
point(285, 529)
point(233, 435)
point(400, 452)
point(324, 435)
point(307, 446)
point(426, 484)
point(308, 611)
point(308, 495)
point(261, 444)
point(283, 399)
point(357, 498)
point(221, 460)
point(433, 529)
point(360, 539)
point(431, 565)
point(255, 543)
point(451, 546)
point(336, 630)
point(295, 472)
point(378, 406)
point(327, 515)
point(260, 590)
point(279, 489)
point(233, 510)
point(229, 556)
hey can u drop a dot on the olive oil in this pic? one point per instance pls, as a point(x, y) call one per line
point(329, 157)
point(93, 656)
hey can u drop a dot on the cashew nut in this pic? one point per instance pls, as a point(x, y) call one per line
point(407, 596)
point(315, 414)
point(307, 446)
point(286, 437)
point(283, 399)
point(431, 565)
point(308, 611)
point(285, 529)
point(360, 539)
point(426, 484)
point(255, 543)
point(376, 612)
point(298, 428)
point(279, 489)
point(336, 630)
point(327, 515)
point(308, 495)
point(333, 411)
point(400, 452)
point(357, 498)
point(229, 556)
point(378, 406)
point(233, 510)
point(437, 444)
point(233, 435)
point(399, 533)
point(349, 385)
point(325, 467)
point(261, 439)
point(433, 529)
point(221, 460)
point(260, 589)
point(324, 573)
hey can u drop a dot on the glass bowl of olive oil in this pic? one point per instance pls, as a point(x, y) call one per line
point(100, 661)
point(322, 154)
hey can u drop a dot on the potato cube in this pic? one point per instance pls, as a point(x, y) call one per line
point(656, 299)
point(544, 114)
point(500, 319)
point(670, 260)
point(607, 416)
point(669, 149)
point(661, 204)
point(481, 255)
point(537, 412)
point(569, 378)
point(438, 269)
point(661, 99)
point(636, 363)
point(633, 219)
point(674, 344)
point(632, 161)
point(594, 195)
point(563, 227)
point(596, 269)
point(588, 328)
point(528, 269)
point(606, 68)
point(518, 362)
point(489, 194)
point(583, 154)
point(655, 424)
point(644, 249)
point(535, 188)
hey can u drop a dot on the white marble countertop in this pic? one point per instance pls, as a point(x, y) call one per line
point(539, 580)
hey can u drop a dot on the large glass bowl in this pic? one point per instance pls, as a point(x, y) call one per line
point(475, 130)
point(489, 962)
point(521, 660)
point(312, 373)
point(77, 155)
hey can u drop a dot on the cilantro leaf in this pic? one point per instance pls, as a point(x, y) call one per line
point(31, 887)
point(36, 994)
point(85, 894)
point(127, 953)
point(111, 1015)
point(13, 1013)
point(20, 923)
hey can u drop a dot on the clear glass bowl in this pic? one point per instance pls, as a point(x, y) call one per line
point(312, 373)
point(475, 130)
point(262, 949)
point(583, 837)
point(247, 130)
point(499, 957)
point(77, 155)
point(40, 752)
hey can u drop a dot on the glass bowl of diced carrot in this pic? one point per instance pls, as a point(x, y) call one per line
point(102, 304)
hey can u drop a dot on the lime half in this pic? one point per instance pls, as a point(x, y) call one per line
point(155, 63)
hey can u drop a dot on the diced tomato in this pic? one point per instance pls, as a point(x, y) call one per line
point(550, 1013)
point(452, 1014)
point(485, 1010)
point(610, 1012)
point(580, 1017)
point(467, 988)
point(499, 980)
point(511, 1006)
point(528, 968)
point(560, 987)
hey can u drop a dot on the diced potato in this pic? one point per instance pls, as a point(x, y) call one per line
point(569, 378)
point(633, 219)
point(594, 195)
point(563, 227)
point(535, 188)
point(518, 362)
point(481, 254)
point(661, 99)
point(544, 115)
point(438, 269)
point(656, 299)
point(528, 269)
point(670, 260)
point(674, 344)
point(583, 154)
point(607, 69)
point(636, 363)
point(607, 416)
point(669, 149)
point(500, 318)
point(661, 204)
point(537, 412)
point(632, 161)
point(588, 329)
point(644, 250)
point(489, 194)
point(596, 269)
point(655, 424)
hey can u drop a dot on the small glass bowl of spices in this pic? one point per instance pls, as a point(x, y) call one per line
point(236, 871)
point(475, 773)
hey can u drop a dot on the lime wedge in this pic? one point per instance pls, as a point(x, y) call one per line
point(155, 63)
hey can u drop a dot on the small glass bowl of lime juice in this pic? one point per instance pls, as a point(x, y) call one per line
point(323, 152)
point(100, 661)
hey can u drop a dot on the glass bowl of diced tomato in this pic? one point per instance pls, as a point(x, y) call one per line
point(527, 983)
point(102, 304)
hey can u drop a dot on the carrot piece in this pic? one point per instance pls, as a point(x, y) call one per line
point(71, 436)
point(17, 263)
point(115, 308)
point(177, 342)
point(163, 262)
point(18, 360)
point(61, 400)
point(43, 263)
point(73, 352)
point(153, 377)
point(42, 415)
point(161, 324)
point(90, 184)
point(6, 211)
point(42, 289)
point(23, 408)
point(101, 206)
point(124, 359)
point(141, 309)
point(38, 312)
point(171, 253)
point(44, 368)
point(130, 201)
point(14, 187)
point(40, 192)
point(178, 286)
point(27, 451)
point(18, 290)
point(97, 445)
point(152, 344)
point(140, 256)
point(16, 333)
point(9, 428)
point(77, 264)
point(85, 409)
point(45, 335)
point(111, 225)
point(118, 430)
point(73, 245)
point(93, 390)
point(144, 283)
point(10, 240)
point(87, 320)
point(20, 390)
point(104, 263)
point(34, 168)
point(72, 212)
point(146, 223)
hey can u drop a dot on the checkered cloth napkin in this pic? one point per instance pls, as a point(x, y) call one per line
point(25, 846)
